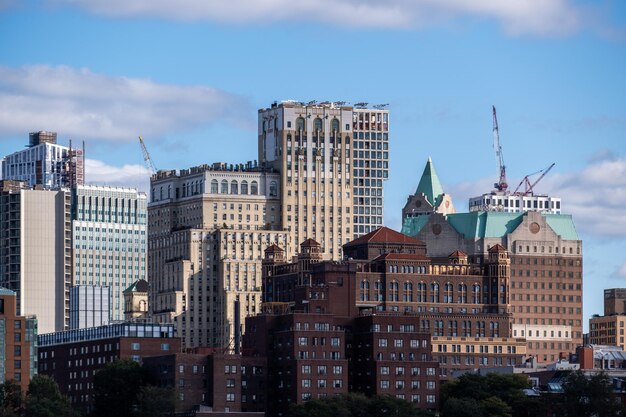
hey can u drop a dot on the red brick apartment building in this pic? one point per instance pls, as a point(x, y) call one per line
point(72, 357)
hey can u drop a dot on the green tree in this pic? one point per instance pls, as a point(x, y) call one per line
point(11, 400)
point(117, 387)
point(462, 407)
point(588, 396)
point(45, 400)
point(156, 402)
point(357, 405)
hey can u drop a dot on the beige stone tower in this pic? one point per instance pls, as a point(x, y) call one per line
point(136, 300)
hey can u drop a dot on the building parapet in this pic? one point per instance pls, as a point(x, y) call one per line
point(151, 330)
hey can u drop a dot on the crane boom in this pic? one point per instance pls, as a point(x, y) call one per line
point(528, 187)
point(146, 156)
point(501, 185)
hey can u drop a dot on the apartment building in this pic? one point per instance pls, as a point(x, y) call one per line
point(36, 252)
point(109, 239)
point(208, 228)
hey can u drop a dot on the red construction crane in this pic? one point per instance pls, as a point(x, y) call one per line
point(528, 187)
point(501, 185)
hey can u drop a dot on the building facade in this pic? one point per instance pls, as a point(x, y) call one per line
point(515, 203)
point(73, 357)
point(545, 262)
point(18, 342)
point(208, 228)
point(90, 306)
point(45, 163)
point(109, 239)
point(35, 252)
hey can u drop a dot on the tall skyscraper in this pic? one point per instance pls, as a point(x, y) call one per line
point(109, 239)
point(370, 156)
point(208, 229)
point(546, 268)
point(45, 163)
point(35, 251)
point(333, 161)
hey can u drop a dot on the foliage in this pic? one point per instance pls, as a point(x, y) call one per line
point(588, 396)
point(124, 389)
point(45, 400)
point(356, 405)
point(11, 400)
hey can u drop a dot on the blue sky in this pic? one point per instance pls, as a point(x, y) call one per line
point(190, 75)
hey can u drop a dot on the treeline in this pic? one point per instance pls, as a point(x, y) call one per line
point(122, 389)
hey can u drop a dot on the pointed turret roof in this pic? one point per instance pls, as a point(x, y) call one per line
point(430, 185)
point(141, 285)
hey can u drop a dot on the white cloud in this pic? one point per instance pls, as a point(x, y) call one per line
point(100, 173)
point(86, 105)
point(595, 196)
point(515, 16)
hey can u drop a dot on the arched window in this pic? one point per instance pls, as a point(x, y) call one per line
point(273, 189)
point(300, 123)
point(434, 292)
point(254, 188)
point(475, 294)
point(244, 187)
point(378, 291)
point(317, 125)
point(421, 292)
point(462, 293)
point(467, 328)
point(393, 291)
point(234, 187)
point(408, 292)
point(480, 329)
point(447, 293)
point(214, 187)
point(365, 290)
point(334, 126)
point(224, 187)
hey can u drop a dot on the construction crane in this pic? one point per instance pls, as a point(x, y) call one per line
point(501, 185)
point(528, 187)
point(146, 157)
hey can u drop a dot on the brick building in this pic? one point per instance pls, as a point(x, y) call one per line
point(18, 342)
point(72, 357)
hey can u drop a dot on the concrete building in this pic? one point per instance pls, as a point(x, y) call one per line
point(546, 268)
point(515, 203)
point(208, 228)
point(109, 239)
point(90, 306)
point(73, 357)
point(45, 163)
point(370, 162)
point(18, 342)
point(136, 301)
point(311, 147)
point(35, 252)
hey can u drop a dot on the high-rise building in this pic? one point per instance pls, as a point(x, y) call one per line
point(333, 160)
point(90, 306)
point(546, 268)
point(109, 239)
point(45, 163)
point(35, 251)
point(370, 162)
point(310, 146)
point(208, 228)
point(18, 342)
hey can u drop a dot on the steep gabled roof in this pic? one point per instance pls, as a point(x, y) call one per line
point(274, 248)
point(384, 235)
point(430, 185)
point(140, 285)
point(309, 243)
point(497, 248)
point(457, 254)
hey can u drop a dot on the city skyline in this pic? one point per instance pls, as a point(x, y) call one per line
point(190, 80)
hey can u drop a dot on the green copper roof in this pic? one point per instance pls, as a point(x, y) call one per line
point(412, 225)
point(488, 224)
point(429, 184)
point(141, 285)
point(563, 225)
point(480, 224)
